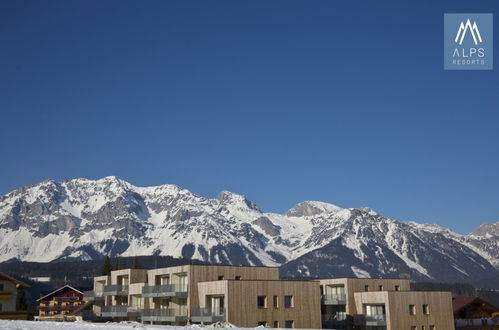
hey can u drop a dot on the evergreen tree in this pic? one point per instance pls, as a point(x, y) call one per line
point(136, 264)
point(106, 266)
point(21, 301)
point(116, 264)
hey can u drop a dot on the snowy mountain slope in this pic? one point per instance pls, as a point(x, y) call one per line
point(87, 219)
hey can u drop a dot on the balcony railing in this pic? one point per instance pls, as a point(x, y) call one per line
point(334, 299)
point(375, 320)
point(165, 315)
point(115, 290)
point(209, 315)
point(167, 290)
point(67, 298)
point(93, 295)
point(57, 308)
point(120, 311)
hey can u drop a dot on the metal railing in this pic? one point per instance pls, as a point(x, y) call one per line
point(334, 299)
point(164, 290)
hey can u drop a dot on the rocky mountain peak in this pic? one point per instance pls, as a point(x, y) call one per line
point(311, 208)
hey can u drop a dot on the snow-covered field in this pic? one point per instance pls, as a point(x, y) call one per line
point(46, 325)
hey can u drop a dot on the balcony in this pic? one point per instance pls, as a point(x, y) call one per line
point(116, 290)
point(208, 315)
point(164, 315)
point(93, 295)
point(119, 311)
point(70, 299)
point(5, 295)
point(334, 320)
point(334, 299)
point(57, 308)
point(168, 290)
point(375, 320)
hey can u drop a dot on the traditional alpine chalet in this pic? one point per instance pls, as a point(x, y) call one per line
point(59, 304)
point(9, 289)
point(253, 296)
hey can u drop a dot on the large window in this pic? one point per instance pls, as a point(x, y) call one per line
point(426, 309)
point(412, 310)
point(262, 301)
point(289, 301)
point(289, 324)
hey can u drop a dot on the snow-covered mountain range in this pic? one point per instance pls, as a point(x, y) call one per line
point(87, 219)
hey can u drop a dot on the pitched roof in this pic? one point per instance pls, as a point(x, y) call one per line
point(63, 287)
point(17, 282)
point(460, 302)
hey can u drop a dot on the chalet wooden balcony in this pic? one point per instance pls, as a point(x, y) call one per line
point(66, 299)
point(167, 290)
point(164, 315)
point(57, 308)
point(5, 295)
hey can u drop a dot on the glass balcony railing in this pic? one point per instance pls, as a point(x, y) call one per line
point(166, 290)
point(208, 314)
point(334, 299)
point(116, 290)
point(93, 295)
point(170, 314)
point(375, 319)
point(119, 311)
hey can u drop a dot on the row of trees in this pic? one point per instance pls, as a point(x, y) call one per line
point(118, 263)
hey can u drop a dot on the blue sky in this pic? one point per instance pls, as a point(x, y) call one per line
point(283, 101)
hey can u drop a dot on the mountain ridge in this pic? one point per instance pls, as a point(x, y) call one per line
point(87, 219)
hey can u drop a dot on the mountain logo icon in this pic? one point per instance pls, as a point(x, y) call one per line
point(463, 29)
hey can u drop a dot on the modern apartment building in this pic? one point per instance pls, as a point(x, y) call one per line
point(383, 304)
point(253, 296)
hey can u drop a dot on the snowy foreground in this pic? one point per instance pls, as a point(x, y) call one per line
point(47, 325)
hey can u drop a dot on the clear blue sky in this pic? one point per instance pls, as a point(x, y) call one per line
point(283, 101)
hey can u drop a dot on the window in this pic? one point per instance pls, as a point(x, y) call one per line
point(289, 302)
point(426, 309)
point(432, 327)
point(262, 323)
point(220, 277)
point(423, 327)
point(276, 301)
point(397, 287)
point(276, 324)
point(289, 324)
point(413, 327)
point(262, 301)
point(366, 288)
point(1, 287)
point(380, 288)
point(412, 310)
point(1, 307)
point(238, 278)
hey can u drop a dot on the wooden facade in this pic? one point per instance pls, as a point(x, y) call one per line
point(430, 310)
point(286, 303)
